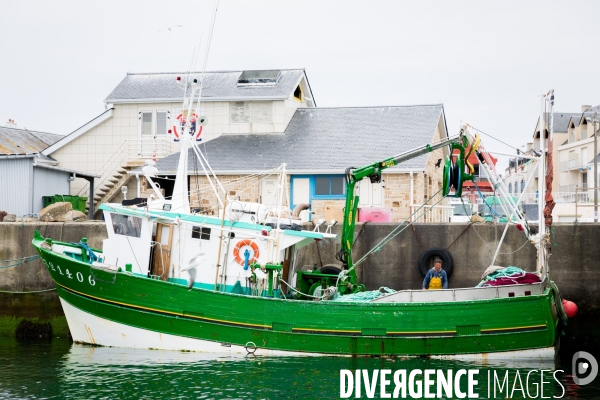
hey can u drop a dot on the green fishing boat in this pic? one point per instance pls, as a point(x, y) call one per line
point(168, 278)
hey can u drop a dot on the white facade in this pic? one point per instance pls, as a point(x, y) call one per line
point(129, 133)
point(519, 180)
point(573, 155)
point(576, 172)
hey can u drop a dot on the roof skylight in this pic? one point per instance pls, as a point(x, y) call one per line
point(261, 77)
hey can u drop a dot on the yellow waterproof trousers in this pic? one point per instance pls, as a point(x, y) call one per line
point(435, 283)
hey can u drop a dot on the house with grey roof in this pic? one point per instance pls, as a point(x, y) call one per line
point(317, 146)
point(144, 114)
point(248, 122)
point(573, 148)
point(27, 175)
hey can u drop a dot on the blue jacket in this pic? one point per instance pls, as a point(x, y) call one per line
point(431, 274)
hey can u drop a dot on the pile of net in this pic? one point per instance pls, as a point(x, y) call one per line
point(363, 296)
point(498, 276)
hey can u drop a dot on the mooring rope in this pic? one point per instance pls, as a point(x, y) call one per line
point(22, 260)
point(30, 291)
point(396, 231)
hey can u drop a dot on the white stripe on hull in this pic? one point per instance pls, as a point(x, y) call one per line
point(88, 328)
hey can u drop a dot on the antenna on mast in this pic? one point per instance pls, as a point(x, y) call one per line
point(192, 121)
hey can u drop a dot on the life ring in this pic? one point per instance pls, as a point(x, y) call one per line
point(239, 255)
point(426, 260)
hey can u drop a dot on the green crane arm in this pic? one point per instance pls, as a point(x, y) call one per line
point(373, 171)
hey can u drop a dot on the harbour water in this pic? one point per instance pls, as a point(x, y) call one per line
point(58, 369)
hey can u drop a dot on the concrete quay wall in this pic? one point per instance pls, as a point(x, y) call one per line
point(574, 264)
point(32, 276)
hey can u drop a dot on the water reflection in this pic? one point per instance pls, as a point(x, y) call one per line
point(60, 370)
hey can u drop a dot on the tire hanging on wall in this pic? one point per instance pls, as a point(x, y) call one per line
point(426, 260)
point(331, 269)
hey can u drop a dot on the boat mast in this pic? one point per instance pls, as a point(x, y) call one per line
point(542, 267)
point(180, 200)
point(281, 194)
point(192, 88)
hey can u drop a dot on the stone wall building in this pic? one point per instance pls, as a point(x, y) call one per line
point(250, 122)
point(317, 146)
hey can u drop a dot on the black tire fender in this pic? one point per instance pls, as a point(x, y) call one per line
point(330, 269)
point(426, 260)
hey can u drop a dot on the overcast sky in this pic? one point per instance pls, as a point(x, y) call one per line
point(487, 62)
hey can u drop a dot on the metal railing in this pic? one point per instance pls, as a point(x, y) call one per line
point(432, 213)
point(578, 195)
point(567, 188)
point(115, 160)
point(570, 164)
point(145, 149)
point(527, 197)
point(129, 150)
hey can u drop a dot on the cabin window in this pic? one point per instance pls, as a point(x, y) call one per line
point(161, 122)
point(127, 225)
point(201, 233)
point(298, 93)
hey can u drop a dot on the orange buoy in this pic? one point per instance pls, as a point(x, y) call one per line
point(570, 308)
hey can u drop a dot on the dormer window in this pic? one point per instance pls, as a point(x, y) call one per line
point(572, 136)
point(259, 78)
point(298, 94)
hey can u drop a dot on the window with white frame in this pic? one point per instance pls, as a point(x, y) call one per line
point(146, 123)
point(161, 122)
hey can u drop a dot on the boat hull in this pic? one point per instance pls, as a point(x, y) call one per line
point(102, 306)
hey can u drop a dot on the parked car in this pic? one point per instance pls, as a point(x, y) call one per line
point(462, 210)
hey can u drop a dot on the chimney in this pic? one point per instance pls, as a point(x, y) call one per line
point(10, 123)
point(585, 108)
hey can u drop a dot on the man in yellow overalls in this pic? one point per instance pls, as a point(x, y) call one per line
point(436, 277)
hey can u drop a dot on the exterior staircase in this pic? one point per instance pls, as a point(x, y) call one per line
point(111, 186)
point(130, 155)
